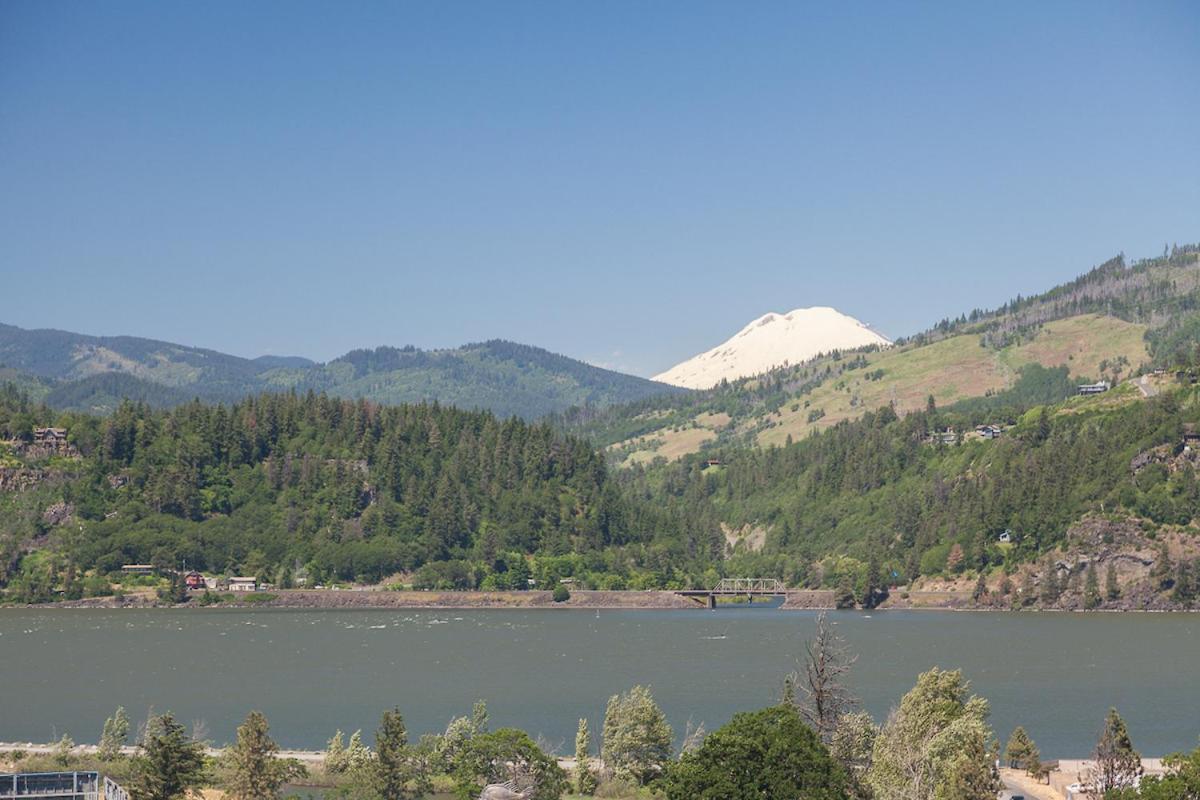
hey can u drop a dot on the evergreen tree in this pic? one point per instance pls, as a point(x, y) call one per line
point(170, 764)
point(1021, 752)
point(585, 779)
point(258, 773)
point(1091, 587)
point(874, 581)
point(1184, 590)
point(1112, 590)
point(1117, 764)
point(114, 736)
point(396, 772)
point(1051, 589)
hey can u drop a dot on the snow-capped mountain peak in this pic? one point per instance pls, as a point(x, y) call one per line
point(773, 340)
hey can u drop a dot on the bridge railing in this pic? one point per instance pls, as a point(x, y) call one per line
point(750, 586)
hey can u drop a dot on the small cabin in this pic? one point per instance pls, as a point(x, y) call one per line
point(1094, 388)
point(1005, 537)
point(712, 462)
point(989, 431)
point(194, 580)
point(138, 569)
point(243, 584)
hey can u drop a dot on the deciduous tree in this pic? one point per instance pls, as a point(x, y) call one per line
point(637, 738)
point(114, 736)
point(934, 744)
point(760, 754)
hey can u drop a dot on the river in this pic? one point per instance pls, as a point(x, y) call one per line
point(314, 671)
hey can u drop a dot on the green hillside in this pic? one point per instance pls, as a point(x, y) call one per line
point(1109, 324)
point(286, 485)
point(93, 373)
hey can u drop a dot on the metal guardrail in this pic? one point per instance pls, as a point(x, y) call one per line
point(113, 790)
point(67, 785)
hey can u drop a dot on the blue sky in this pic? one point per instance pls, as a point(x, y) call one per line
point(627, 183)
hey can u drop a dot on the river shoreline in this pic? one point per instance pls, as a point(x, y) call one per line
point(648, 600)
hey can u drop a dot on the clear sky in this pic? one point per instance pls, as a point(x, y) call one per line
point(623, 182)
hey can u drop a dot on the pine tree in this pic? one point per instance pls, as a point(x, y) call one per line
point(170, 764)
point(1162, 572)
point(396, 774)
point(114, 736)
point(1117, 764)
point(1091, 587)
point(1021, 752)
point(980, 591)
point(257, 772)
point(1112, 590)
point(971, 776)
point(585, 780)
point(1051, 590)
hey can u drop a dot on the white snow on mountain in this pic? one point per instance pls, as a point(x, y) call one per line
point(771, 341)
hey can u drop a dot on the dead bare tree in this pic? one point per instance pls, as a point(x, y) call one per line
point(825, 662)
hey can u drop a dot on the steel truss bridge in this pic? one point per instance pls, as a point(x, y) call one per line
point(737, 587)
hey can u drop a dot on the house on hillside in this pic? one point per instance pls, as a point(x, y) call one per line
point(1005, 537)
point(1191, 437)
point(194, 580)
point(1094, 388)
point(948, 436)
point(138, 569)
point(989, 431)
point(243, 584)
point(50, 436)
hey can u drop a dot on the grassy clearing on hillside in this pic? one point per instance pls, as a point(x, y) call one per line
point(1082, 343)
point(951, 370)
point(672, 444)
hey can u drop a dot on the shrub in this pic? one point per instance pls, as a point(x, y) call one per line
point(561, 594)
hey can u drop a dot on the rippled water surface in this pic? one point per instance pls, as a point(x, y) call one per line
point(313, 672)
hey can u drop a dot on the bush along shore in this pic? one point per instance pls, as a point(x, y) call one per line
point(814, 742)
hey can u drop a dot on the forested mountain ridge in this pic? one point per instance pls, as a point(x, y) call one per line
point(281, 484)
point(1107, 324)
point(93, 373)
